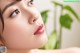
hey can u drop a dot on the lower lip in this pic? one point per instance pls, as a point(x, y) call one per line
point(40, 31)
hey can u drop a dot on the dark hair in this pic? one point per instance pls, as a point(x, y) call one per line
point(2, 20)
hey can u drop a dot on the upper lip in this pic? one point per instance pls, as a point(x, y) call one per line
point(39, 27)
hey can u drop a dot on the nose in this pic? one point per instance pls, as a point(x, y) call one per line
point(33, 14)
point(33, 19)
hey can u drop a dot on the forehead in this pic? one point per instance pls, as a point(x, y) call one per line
point(3, 3)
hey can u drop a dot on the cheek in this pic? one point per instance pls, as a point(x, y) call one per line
point(16, 26)
point(17, 32)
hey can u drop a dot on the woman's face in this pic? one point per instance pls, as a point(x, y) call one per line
point(23, 25)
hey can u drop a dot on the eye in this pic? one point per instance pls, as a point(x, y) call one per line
point(14, 13)
point(30, 3)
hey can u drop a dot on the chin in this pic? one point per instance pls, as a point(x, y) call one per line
point(43, 41)
point(40, 42)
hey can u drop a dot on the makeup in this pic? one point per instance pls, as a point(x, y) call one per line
point(40, 30)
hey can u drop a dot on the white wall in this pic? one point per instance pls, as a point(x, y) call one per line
point(70, 38)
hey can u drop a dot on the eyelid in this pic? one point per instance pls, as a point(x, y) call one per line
point(13, 12)
point(30, 2)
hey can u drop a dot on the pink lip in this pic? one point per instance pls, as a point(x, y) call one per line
point(40, 30)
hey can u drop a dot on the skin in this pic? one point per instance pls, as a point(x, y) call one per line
point(18, 35)
point(19, 29)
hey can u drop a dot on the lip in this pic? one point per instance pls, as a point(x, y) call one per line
point(40, 30)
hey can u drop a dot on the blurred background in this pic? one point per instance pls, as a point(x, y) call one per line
point(62, 22)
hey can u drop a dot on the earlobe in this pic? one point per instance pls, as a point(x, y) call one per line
point(1, 40)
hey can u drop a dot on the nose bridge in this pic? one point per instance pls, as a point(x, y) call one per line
point(33, 14)
point(31, 11)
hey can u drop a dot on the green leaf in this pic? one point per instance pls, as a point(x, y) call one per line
point(44, 15)
point(51, 44)
point(56, 3)
point(66, 21)
point(71, 10)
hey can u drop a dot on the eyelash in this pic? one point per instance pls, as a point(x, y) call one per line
point(30, 3)
point(14, 13)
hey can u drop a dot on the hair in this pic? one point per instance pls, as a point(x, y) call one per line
point(2, 20)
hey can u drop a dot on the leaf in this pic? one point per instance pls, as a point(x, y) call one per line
point(44, 15)
point(66, 21)
point(72, 11)
point(51, 44)
point(56, 3)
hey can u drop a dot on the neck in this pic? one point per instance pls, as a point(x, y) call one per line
point(20, 51)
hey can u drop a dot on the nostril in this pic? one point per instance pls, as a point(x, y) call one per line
point(34, 20)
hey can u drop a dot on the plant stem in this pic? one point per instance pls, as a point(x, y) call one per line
point(55, 18)
point(55, 9)
point(60, 36)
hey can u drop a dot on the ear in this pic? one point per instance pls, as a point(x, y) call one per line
point(1, 39)
point(0, 22)
point(0, 31)
point(0, 26)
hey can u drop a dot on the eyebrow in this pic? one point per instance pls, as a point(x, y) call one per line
point(7, 6)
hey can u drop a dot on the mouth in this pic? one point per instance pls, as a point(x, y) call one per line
point(39, 30)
